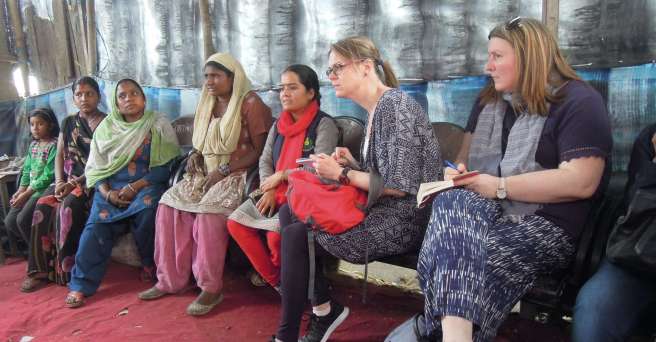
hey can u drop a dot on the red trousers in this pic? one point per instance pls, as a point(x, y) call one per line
point(265, 258)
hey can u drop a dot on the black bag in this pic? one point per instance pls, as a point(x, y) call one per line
point(632, 243)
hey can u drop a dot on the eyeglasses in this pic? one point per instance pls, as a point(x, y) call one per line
point(337, 67)
point(513, 23)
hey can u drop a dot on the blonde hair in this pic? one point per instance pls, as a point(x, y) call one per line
point(539, 63)
point(360, 47)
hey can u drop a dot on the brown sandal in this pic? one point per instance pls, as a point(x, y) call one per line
point(31, 284)
point(74, 299)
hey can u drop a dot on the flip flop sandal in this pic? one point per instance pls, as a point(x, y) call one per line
point(151, 293)
point(31, 284)
point(198, 309)
point(74, 300)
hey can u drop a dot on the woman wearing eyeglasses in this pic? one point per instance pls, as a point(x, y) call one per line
point(399, 153)
point(540, 138)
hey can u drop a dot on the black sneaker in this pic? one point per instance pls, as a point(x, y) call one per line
point(320, 328)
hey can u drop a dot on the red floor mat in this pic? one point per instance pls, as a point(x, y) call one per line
point(115, 313)
point(246, 313)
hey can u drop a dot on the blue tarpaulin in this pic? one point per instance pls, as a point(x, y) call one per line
point(630, 93)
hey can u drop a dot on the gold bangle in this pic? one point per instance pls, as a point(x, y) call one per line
point(131, 188)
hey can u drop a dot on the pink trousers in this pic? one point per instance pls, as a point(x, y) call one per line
point(188, 242)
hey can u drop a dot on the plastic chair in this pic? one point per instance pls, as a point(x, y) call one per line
point(184, 129)
point(553, 295)
point(449, 136)
point(351, 134)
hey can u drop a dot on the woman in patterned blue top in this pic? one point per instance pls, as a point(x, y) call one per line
point(399, 152)
point(128, 166)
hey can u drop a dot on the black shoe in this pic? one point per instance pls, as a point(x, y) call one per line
point(320, 328)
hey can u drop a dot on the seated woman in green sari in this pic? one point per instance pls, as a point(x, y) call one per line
point(129, 167)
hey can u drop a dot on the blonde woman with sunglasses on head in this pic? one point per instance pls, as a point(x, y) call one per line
point(540, 138)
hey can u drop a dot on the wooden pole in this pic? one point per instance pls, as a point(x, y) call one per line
point(92, 49)
point(83, 53)
point(78, 38)
point(64, 56)
point(21, 51)
point(550, 9)
point(206, 27)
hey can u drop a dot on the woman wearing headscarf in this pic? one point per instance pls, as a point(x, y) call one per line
point(230, 128)
point(129, 167)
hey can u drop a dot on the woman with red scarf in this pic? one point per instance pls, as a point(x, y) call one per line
point(302, 129)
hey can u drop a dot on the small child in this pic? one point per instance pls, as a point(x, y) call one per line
point(38, 172)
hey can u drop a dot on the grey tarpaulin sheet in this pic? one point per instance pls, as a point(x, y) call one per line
point(159, 41)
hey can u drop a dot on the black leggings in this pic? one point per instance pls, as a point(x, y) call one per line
point(295, 272)
point(19, 220)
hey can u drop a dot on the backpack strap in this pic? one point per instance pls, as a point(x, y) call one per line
point(308, 143)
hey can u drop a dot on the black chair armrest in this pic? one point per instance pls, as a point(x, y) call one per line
point(407, 260)
point(177, 169)
point(252, 181)
point(591, 246)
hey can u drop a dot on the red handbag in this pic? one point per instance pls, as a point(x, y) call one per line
point(324, 204)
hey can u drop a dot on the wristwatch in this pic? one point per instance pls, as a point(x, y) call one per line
point(501, 189)
point(343, 177)
point(224, 169)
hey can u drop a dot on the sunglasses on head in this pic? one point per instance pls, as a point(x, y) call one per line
point(513, 24)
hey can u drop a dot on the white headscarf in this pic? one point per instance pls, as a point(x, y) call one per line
point(220, 140)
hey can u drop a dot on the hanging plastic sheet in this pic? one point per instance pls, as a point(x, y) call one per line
point(607, 33)
point(158, 42)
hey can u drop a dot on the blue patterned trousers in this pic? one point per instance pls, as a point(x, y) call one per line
point(476, 264)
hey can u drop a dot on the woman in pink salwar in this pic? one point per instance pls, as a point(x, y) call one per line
point(230, 128)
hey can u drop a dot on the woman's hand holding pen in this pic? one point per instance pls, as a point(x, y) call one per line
point(451, 170)
point(485, 185)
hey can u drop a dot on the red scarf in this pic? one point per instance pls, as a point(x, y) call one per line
point(292, 147)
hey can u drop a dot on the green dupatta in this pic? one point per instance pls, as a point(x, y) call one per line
point(115, 142)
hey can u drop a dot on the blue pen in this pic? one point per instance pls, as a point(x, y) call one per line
point(450, 164)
